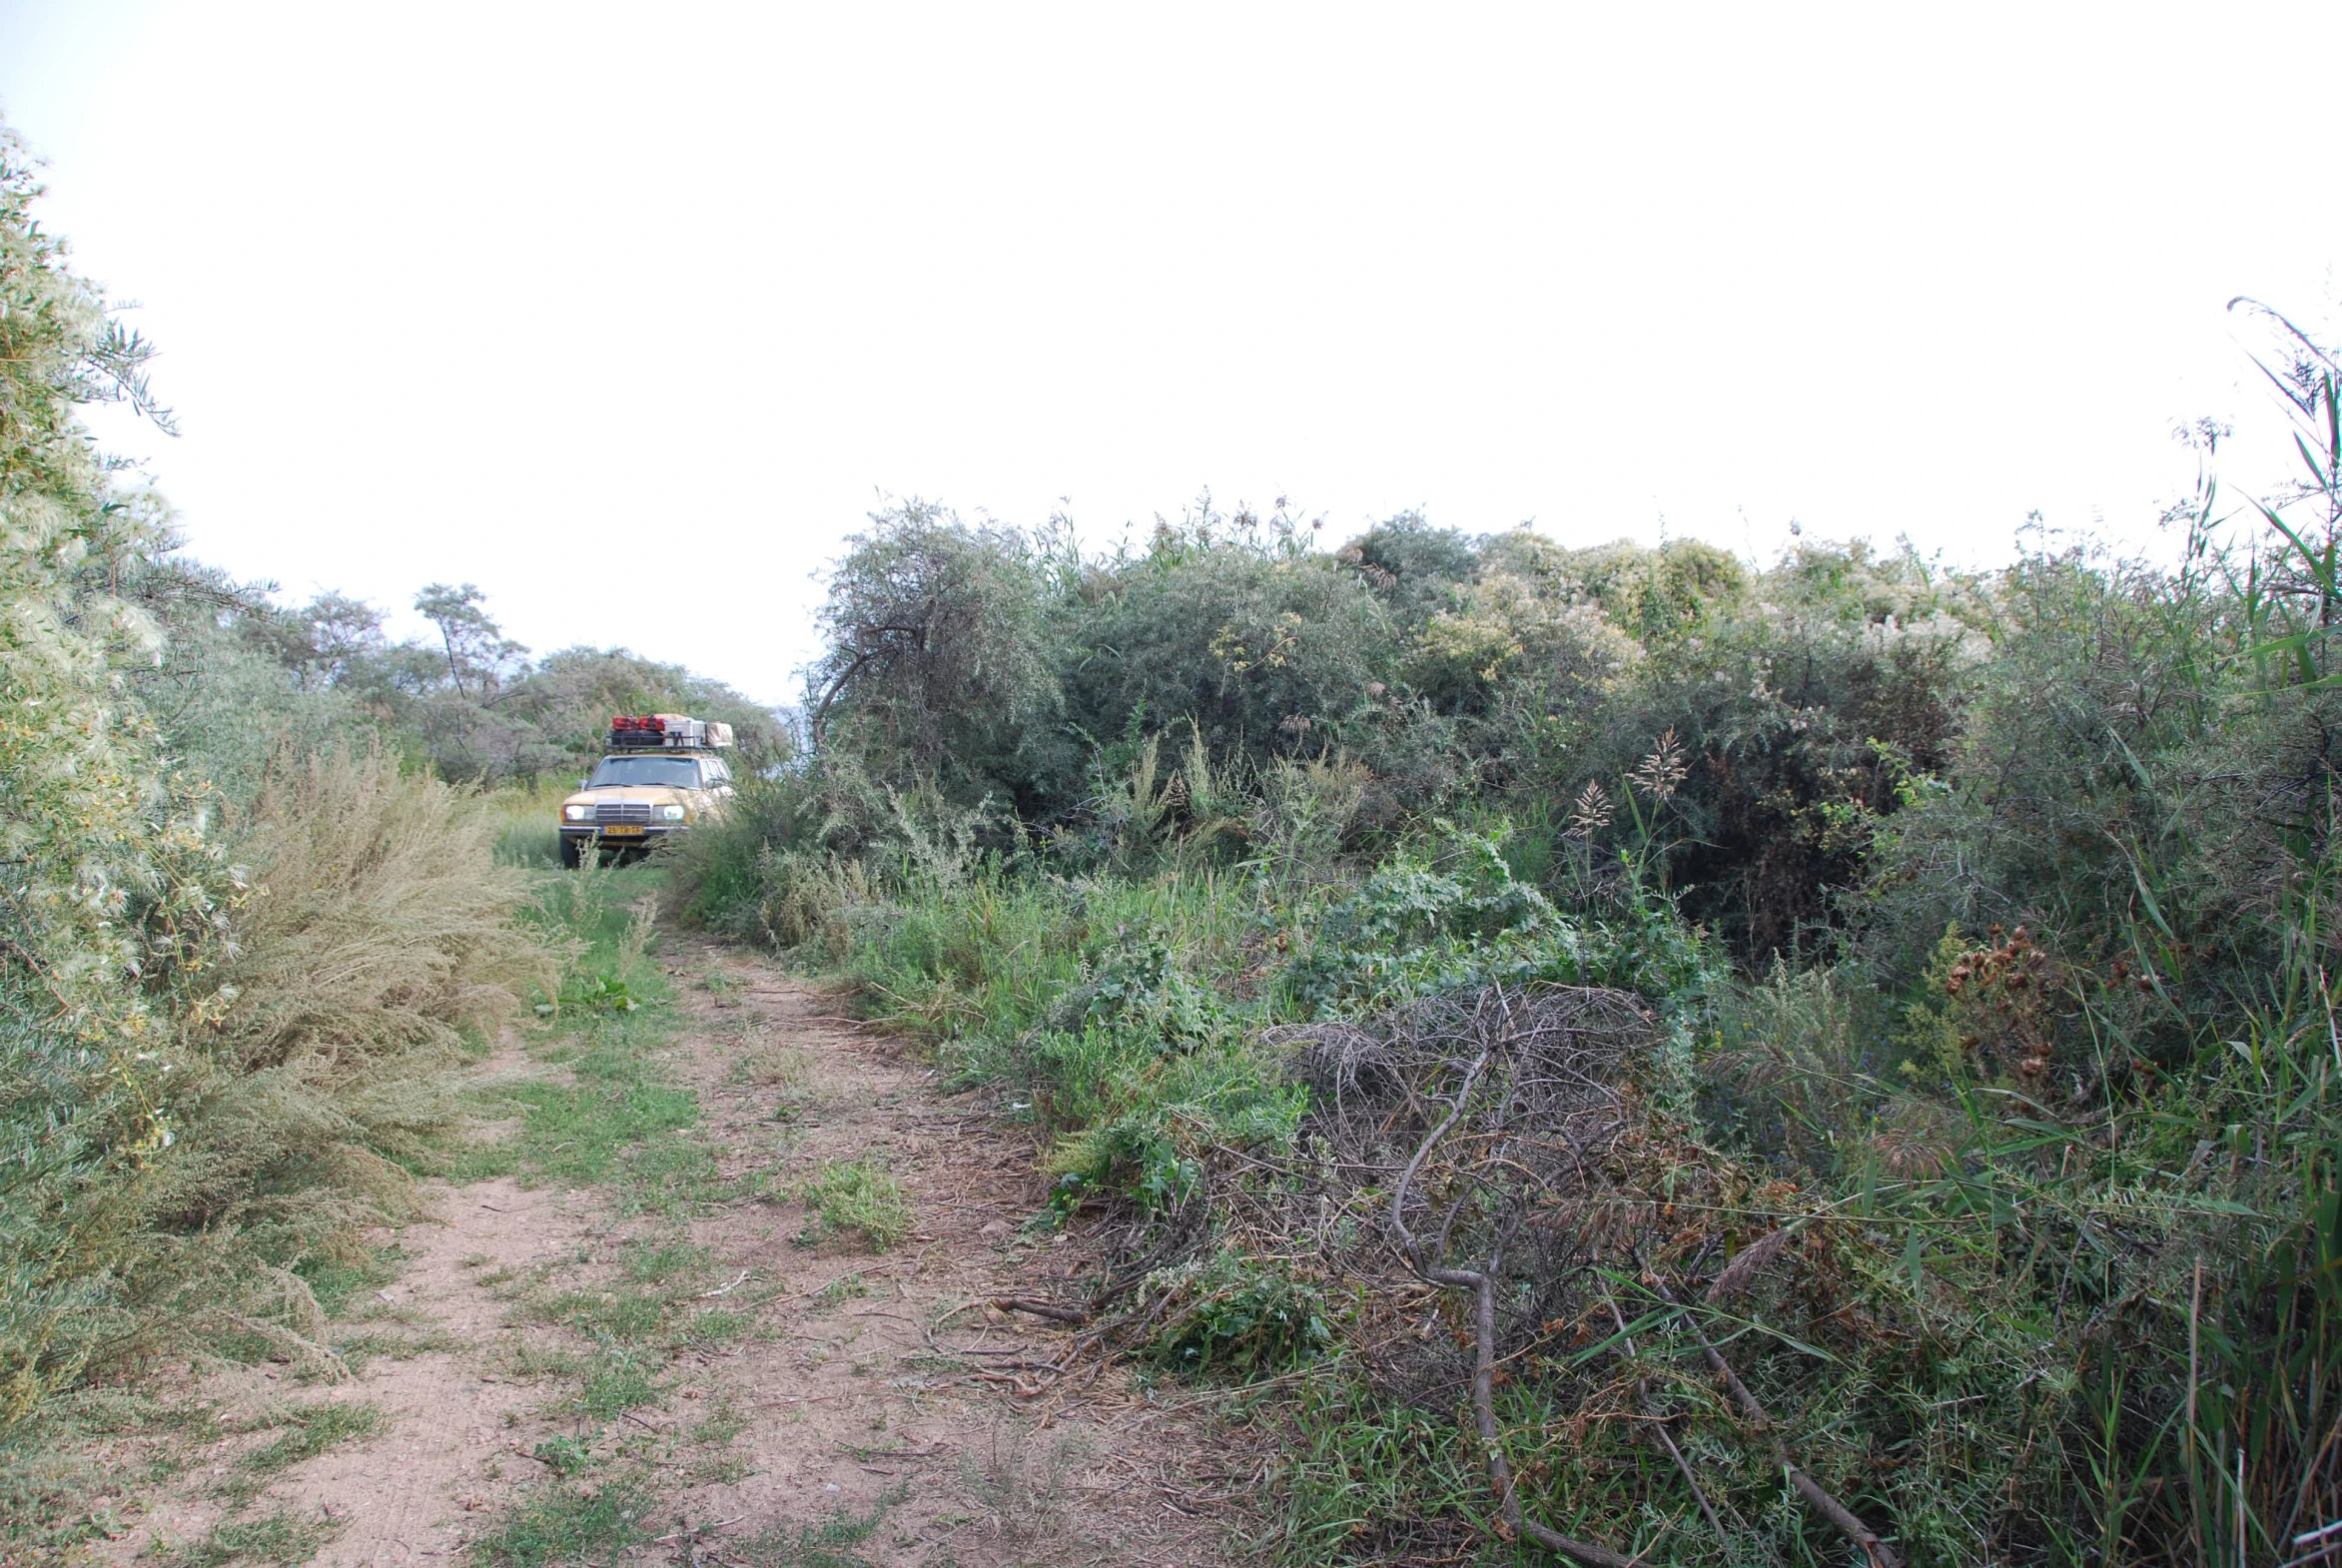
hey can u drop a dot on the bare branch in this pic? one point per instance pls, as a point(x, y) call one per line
point(1659, 1432)
point(1828, 1507)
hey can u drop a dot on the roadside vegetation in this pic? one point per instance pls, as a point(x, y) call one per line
point(242, 943)
point(1627, 1053)
point(1696, 1062)
point(258, 929)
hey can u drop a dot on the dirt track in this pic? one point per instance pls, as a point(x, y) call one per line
point(878, 1391)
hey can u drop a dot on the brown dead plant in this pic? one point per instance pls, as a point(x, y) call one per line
point(1514, 1163)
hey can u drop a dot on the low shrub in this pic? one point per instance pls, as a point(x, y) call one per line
point(1959, 1160)
point(361, 954)
point(1236, 1315)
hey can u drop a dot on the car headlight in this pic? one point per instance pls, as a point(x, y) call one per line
point(582, 813)
point(670, 813)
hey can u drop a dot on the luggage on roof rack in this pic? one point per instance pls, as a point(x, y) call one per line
point(666, 732)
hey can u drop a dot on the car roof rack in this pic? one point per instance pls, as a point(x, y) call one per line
point(667, 733)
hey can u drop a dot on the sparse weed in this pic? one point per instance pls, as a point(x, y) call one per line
point(770, 1065)
point(1019, 1481)
point(360, 1349)
point(825, 1545)
point(531, 1362)
point(557, 1525)
point(315, 1428)
point(724, 1422)
point(846, 1288)
point(567, 1455)
point(280, 1538)
point(857, 1195)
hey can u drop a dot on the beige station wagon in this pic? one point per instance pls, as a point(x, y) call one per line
point(660, 775)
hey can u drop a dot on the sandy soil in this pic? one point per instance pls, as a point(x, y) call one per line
point(871, 1383)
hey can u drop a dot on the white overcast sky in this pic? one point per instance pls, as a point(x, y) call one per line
point(630, 314)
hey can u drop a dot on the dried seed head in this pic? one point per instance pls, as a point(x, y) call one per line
point(1906, 1155)
point(1591, 812)
point(1744, 1269)
point(1660, 773)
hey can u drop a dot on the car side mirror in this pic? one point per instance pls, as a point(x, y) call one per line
point(582, 783)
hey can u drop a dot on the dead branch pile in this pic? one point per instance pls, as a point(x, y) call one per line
point(1487, 1167)
point(1474, 1136)
point(1485, 1126)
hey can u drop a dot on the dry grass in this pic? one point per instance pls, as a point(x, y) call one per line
point(374, 950)
point(381, 924)
point(769, 1063)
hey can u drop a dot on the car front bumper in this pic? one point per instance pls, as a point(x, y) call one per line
point(621, 834)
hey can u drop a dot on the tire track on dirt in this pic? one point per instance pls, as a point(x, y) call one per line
point(874, 1395)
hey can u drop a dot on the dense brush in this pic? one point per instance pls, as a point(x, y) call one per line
point(371, 944)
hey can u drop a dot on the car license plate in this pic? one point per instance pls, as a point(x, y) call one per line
point(622, 833)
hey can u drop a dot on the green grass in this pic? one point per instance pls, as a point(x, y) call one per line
point(1368, 1478)
point(606, 1113)
point(825, 1545)
point(523, 822)
point(619, 1386)
point(277, 1538)
point(334, 1284)
point(315, 1429)
point(581, 1134)
point(557, 1526)
point(640, 1308)
point(716, 1325)
point(565, 1456)
point(651, 1262)
point(627, 1317)
point(529, 845)
point(675, 1174)
point(857, 1195)
point(613, 1114)
point(1123, 1019)
point(59, 1488)
point(1118, 1016)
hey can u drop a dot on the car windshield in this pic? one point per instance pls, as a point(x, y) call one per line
point(667, 772)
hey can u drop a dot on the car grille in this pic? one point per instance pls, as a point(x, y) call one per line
point(610, 811)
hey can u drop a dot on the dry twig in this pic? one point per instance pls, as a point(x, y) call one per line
point(1828, 1507)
